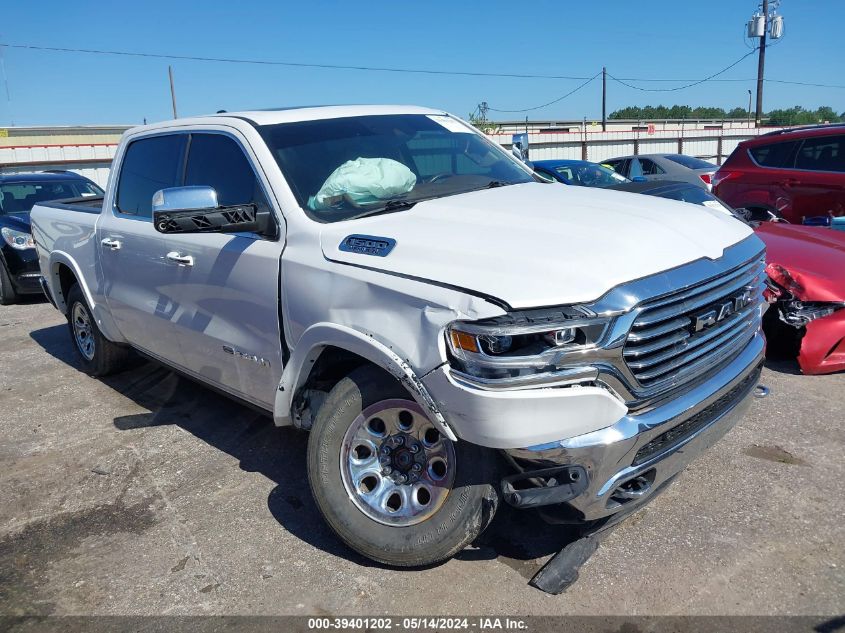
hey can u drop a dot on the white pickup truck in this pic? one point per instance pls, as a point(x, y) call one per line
point(449, 329)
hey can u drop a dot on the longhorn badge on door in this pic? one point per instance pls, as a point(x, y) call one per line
point(245, 356)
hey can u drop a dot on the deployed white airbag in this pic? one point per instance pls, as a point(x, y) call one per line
point(364, 181)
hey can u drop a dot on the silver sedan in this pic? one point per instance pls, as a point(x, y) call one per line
point(664, 167)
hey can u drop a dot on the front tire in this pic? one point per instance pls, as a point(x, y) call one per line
point(388, 483)
point(98, 355)
point(8, 295)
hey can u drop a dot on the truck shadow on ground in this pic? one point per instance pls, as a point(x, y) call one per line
point(518, 539)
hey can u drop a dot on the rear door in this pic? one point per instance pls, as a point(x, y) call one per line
point(817, 184)
point(139, 283)
point(227, 319)
point(768, 183)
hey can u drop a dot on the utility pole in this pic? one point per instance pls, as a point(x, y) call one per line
point(603, 99)
point(761, 62)
point(172, 91)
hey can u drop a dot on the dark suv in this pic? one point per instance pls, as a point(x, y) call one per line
point(793, 174)
point(19, 272)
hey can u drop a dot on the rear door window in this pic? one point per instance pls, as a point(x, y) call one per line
point(823, 153)
point(149, 164)
point(773, 155)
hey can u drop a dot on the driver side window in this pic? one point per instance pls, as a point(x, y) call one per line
point(216, 160)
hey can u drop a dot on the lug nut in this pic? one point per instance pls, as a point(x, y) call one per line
point(416, 468)
point(401, 479)
point(415, 448)
point(386, 470)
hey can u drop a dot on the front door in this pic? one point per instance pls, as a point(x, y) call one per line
point(227, 315)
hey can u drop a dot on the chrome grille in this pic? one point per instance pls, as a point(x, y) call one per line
point(683, 334)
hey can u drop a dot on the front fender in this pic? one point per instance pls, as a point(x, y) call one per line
point(321, 335)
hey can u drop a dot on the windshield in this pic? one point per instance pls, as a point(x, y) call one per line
point(589, 175)
point(350, 167)
point(690, 162)
point(19, 197)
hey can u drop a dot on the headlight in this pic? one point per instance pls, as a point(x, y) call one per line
point(509, 347)
point(17, 239)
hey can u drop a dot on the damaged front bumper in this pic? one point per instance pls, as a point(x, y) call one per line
point(624, 465)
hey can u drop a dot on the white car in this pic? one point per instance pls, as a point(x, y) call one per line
point(450, 330)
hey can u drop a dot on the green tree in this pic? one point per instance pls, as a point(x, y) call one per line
point(796, 115)
point(482, 124)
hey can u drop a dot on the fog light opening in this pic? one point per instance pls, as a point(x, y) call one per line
point(634, 488)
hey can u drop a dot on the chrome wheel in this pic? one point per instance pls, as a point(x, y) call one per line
point(83, 331)
point(396, 466)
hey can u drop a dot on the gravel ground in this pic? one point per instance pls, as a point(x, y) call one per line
point(147, 494)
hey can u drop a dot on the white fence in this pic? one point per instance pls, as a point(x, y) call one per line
point(584, 144)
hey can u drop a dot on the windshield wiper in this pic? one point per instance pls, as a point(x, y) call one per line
point(498, 183)
point(387, 207)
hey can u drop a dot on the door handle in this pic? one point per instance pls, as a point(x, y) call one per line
point(178, 258)
point(790, 182)
point(111, 244)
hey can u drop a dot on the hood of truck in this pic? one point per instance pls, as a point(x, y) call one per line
point(535, 245)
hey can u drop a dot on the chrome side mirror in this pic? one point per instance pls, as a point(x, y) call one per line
point(185, 199)
point(196, 210)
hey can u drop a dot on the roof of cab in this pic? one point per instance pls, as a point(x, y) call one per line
point(294, 114)
point(40, 176)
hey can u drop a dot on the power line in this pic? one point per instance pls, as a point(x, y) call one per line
point(689, 85)
point(267, 62)
point(802, 83)
point(426, 71)
point(571, 92)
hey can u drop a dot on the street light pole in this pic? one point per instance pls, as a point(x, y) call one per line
point(749, 107)
point(172, 92)
point(603, 99)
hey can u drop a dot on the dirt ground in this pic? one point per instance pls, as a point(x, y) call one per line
point(147, 494)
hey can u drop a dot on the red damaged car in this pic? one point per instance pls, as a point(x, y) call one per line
point(806, 267)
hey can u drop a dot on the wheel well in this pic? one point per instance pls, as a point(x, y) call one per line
point(330, 367)
point(66, 280)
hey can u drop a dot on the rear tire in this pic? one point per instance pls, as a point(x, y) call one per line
point(98, 355)
point(8, 295)
point(446, 494)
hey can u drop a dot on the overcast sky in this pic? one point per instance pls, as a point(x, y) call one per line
point(656, 39)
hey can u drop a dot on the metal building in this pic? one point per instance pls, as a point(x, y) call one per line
point(87, 150)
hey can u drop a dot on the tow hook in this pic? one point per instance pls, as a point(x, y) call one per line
point(761, 391)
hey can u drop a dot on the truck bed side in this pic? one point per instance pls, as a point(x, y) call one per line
point(65, 237)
